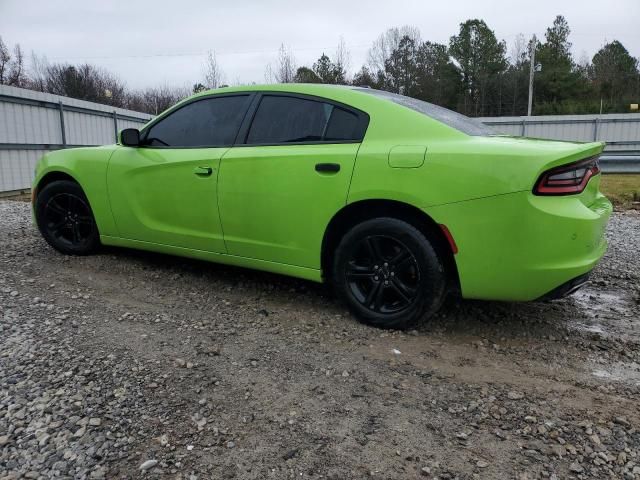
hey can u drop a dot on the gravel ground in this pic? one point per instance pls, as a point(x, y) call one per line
point(134, 365)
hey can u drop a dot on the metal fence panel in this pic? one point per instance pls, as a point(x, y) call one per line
point(28, 124)
point(83, 129)
point(609, 127)
point(13, 164)
point(33, 123)
point(621, 132)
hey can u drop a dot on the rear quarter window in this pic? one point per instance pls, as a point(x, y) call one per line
point(343, 125)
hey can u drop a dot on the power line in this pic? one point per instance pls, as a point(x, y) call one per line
point(201, 54)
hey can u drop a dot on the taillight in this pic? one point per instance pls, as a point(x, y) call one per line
point(567, 179)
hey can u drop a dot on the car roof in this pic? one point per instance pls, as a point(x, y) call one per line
point(365, 98)
point(335, 92)
point(281, 87)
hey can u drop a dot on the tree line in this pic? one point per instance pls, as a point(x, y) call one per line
point(473, 74)
point(84, 81)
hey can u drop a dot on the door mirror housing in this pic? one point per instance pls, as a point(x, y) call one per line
point(130, 137)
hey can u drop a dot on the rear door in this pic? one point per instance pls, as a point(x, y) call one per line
point(289, 174)
point(165, 191)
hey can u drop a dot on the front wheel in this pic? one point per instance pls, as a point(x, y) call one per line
point(388, 273)
point(65, 219)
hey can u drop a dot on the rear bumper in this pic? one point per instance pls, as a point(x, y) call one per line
point(520, 247)
point(566, 288)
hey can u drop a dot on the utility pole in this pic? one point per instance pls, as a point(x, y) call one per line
point(532, 69)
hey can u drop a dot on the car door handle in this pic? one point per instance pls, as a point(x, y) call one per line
point(327, 167)
point(203, 171)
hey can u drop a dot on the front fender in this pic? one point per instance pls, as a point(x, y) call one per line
point(88, 167)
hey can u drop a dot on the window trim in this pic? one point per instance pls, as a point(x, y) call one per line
point(145, 131)
point(241, 138)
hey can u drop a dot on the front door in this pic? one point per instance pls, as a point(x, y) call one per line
point(167, 196)
point(165, 191)
point(281, 187)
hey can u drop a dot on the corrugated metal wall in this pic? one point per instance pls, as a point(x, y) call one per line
point(620, 131)
point(31, 125)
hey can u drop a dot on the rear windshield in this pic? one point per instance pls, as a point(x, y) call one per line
point(460, 122)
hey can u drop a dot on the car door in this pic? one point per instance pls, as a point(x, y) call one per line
point(165, 191)
point(280, 185)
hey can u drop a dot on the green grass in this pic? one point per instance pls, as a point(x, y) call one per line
point(622, 189)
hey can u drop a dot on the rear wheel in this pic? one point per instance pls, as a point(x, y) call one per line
point(388, 273)
point(65, 219)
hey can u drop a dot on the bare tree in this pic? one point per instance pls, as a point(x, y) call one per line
point(584, 61)
point(17, 75)
point(156, 100)
point(238, 83)
point(214, 76)
point(37, 78)
point(86, 82)
point(342, 60)
point(519, 52)
point(285, 68)
point(387, 42)
point(5, 58)
point(12, 70)
point(268, 74)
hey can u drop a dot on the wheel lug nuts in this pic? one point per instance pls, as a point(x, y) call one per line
point(376, 278)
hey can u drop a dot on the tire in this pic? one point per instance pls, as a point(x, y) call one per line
point(65, 219)
point(392, 251)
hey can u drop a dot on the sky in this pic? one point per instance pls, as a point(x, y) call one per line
point(152, 43)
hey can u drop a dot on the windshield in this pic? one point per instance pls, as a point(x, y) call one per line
point(460, 122)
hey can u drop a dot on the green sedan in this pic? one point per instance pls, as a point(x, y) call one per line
point(392, 201)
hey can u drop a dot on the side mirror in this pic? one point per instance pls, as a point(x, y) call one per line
point(130, 137)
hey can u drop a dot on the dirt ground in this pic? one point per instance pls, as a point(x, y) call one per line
point(134, 365)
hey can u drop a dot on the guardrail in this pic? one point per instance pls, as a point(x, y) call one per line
point(620, 163)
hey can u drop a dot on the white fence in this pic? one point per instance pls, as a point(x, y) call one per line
point(33, 123)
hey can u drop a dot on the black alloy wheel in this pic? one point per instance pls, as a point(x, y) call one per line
point(65, 218)
point(383, 275)
point(388, 273)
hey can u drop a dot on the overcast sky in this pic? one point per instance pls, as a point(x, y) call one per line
point(148, 43)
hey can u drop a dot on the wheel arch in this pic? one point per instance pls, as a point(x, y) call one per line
point(362, 210)
point(58, 175)
point(53, 176)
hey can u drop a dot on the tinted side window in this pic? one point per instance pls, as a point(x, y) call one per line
point(288, 119)
point(343, 125)
point(205, 123)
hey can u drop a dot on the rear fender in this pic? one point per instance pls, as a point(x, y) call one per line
point(461, 169)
